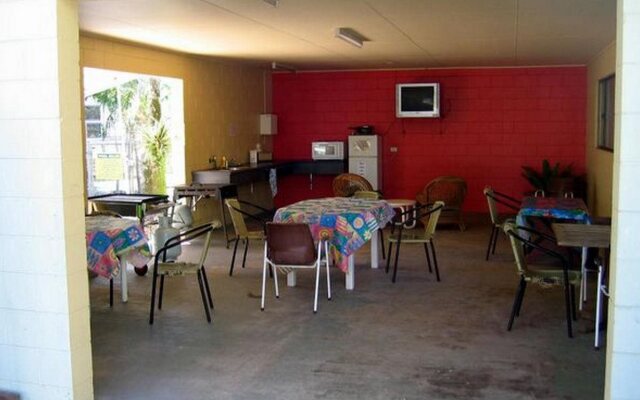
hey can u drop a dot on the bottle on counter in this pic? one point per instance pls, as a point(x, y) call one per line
point(224, 163)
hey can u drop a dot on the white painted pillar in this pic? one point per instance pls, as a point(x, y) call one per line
point(623, 339)
point(45, 342)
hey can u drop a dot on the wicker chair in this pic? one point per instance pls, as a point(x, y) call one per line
point(345, 185)
point(452, 191)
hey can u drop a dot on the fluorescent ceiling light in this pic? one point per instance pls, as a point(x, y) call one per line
point(276, 66)
point(272, 2)
point(351, 36)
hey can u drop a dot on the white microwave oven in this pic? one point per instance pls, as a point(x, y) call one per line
point(327, 150)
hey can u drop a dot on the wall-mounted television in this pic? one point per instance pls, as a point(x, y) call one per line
point(418, 100)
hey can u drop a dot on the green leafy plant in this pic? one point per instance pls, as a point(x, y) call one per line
point(158, 146)
point(543, 179)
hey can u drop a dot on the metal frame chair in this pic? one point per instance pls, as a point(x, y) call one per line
point(493, 199)
point(290, 246)
point(524, 238)
point(425, 236)
point(162, 268)
point(242, 232)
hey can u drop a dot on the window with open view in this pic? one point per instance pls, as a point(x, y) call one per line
point(606, 103)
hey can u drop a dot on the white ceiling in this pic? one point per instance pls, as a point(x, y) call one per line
point(402, 33)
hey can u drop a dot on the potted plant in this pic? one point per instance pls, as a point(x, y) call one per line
point(554, 180)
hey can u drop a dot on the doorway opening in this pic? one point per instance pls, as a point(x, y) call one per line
point(134, 126)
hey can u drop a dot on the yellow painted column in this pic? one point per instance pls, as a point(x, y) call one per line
point(45, 342)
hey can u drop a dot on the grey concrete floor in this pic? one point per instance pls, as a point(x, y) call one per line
point(416, 339)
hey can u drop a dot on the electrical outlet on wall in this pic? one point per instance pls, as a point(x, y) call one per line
point(393, 149)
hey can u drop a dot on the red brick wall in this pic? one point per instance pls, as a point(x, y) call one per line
point(493, 121)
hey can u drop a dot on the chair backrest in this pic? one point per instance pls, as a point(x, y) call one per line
point(290, 244)
point(493, 209)
point(449, 189)
point(434, 214)
point(236, 217)
point(366, 195)
point(345, 185)
point(188, 235)
point(517, 245)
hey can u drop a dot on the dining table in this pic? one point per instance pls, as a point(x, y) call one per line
point(587, 236)
point(346, 223)
point(566, 209)
point(112, 243)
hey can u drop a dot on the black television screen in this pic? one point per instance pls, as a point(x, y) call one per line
point(417, 100)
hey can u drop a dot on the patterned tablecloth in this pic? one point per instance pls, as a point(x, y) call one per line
point(346, 222)
point(112, 240)
point(554, 207)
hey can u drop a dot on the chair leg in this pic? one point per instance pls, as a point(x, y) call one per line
point(426, 253)
point(161, 292)
point(206, 286)
point(326, 253)
point(111, 292)
point(435, 260)
point(275, 280)
point(493, 232)
point(495, 240)
point(384, 256)
point(315, 299)
point(596, 340)
point(153, 296)
point(233, 257)
point(516, 302)
point(244, 256)
point(567, 301)
point(386, 271)
point(395, 264)
point(264, 276)
point(204, 297)
point(572, 290)
point(521, 299)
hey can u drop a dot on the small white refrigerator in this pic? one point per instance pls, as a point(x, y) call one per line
point(365, 158)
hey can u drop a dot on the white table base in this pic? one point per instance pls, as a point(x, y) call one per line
point(124, 292)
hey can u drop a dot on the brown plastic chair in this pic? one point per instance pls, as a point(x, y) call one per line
point(451, 190)
point(493, 199)
point(242, 232)
point(345, 185)
point(290, 246)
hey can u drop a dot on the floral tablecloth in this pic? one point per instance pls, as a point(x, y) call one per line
point(554, 207)
point(112, 240)
point(346, 222)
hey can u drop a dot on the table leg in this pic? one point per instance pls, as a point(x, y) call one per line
point(583, 281)
point(123, 283)
point(291, 278)
point(349, 278)
point(374, 249)
point(598, 307)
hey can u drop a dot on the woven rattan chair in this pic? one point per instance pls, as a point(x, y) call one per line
point(345, 185)
point(451, 190)
point(557, 274)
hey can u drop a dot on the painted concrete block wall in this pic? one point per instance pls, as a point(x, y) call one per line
point(45, 350)
point(623, 346)
point(494, 121)
point(222, 100)
point(599, 162)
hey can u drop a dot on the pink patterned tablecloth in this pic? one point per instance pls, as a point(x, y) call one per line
point(347, 223)
point(112, 240)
